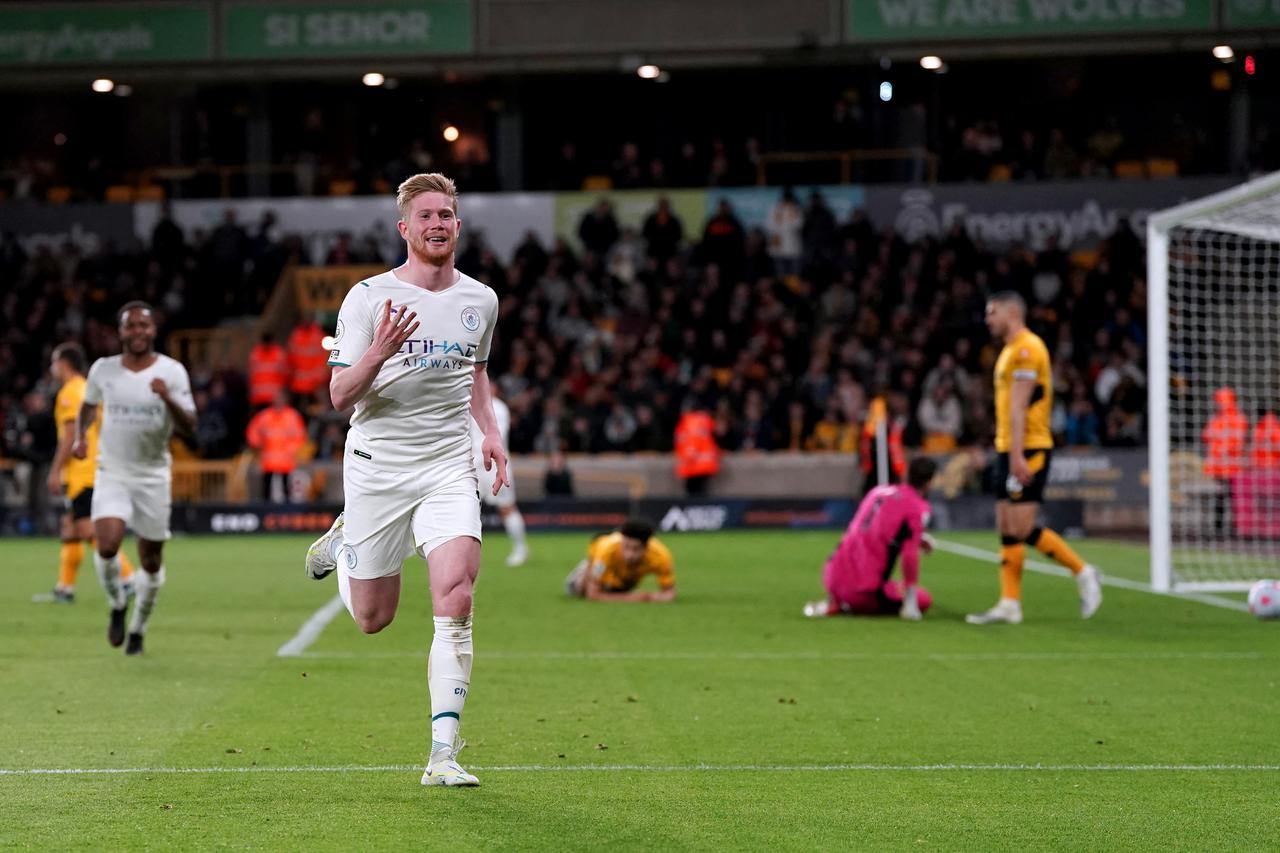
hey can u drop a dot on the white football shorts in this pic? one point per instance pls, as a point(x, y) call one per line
point(391, 514)
point(144, 502)
point(506, 495)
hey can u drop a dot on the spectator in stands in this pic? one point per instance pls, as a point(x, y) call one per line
point(558, 481)
point(1104, 144)
point(724, 241)
point(268, 370)
point(819, 230)
point(228, 250)
point(834, 432)
point(627, 172)
point(662, 232)
point(308, 359)
point(598, 229)
point(1060, 159)
point(784, 227)
point(277, 433)
point(941, 418)
point(1081, 427)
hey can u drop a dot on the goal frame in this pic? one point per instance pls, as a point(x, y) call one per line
point(1159, 225)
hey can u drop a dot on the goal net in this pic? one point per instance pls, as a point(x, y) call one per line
point(1214, 358)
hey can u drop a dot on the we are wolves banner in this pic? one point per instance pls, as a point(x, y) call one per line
point(934, 20)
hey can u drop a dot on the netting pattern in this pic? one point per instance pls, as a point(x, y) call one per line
point(1224, 406)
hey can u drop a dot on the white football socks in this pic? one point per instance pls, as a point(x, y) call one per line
point(109, 577)
point(514, 524)
point(146, 587)
point(448, 679)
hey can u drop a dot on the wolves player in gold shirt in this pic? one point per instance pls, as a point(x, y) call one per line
point(1024, 445)
point(617, 562)
point(71, 478)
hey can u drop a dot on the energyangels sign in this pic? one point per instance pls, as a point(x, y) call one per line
point(889, 20)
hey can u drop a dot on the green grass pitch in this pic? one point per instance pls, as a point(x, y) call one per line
point(723, 721)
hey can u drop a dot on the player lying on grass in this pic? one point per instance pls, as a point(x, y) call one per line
point(889, 522)
point(617, 562)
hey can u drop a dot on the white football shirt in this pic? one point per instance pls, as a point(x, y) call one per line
point(136, 424)
point(419, 407)
point(503, 416)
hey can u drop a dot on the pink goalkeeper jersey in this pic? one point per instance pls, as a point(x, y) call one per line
point(889, 523)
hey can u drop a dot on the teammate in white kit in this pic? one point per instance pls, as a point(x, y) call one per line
point(144, 396)
point(410, 353)
point(505, 499)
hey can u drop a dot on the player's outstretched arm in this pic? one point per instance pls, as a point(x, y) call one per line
point(348, 385)
point(491, 451)
point(1019, 402)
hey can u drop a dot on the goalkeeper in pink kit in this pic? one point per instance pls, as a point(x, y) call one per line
point(888, 525)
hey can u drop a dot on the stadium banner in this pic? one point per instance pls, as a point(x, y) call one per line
point(1251, 14)
point(630, 208)
point(501, 220)
point(86, 226)
point(936, 20)
point(283, 30)
point(1079, 213)
point(752, 204)
point(49, 34)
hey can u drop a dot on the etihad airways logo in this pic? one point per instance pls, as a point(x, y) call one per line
point(442, 354)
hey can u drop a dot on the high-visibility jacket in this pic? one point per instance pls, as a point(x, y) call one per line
point(308, 359)
point(878, 411)
point(1265, 451)
point(268, 372)
point(1225, 437)
point(277, 434)
point(697, 454)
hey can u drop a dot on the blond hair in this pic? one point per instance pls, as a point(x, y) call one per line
point(425, 182)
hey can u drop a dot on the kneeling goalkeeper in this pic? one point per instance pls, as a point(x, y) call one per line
point(889, 524)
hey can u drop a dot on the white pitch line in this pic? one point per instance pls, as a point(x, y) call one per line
point(811, 655)
point(311, 629)
point(1107, 580)
point(668, 768)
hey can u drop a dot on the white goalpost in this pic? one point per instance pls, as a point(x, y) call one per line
point(1213, 329)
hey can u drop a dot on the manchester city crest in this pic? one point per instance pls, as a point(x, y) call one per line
point(470, 319)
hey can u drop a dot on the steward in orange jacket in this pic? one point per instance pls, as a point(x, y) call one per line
point(1265, 452)
point(1224, 437)
point(308, 359)
point(268, 371)
point(697, 454)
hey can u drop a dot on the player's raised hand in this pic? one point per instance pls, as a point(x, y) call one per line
point(159, 387)
point(393, 330)
point(492, 453)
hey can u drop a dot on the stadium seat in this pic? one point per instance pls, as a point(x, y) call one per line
point(120, 194)
point(1000, 173)
point(597, 183)
point(58, 195)
point(342, 187)
point(1162, 167)
point(151, 192)
point(1085, 259)
point(1129, 169)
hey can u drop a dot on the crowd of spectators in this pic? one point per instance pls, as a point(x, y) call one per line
point(783, 333)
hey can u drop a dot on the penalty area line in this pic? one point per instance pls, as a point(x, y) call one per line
point(670, 768)
point(311, 629)
point(1120, 583)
